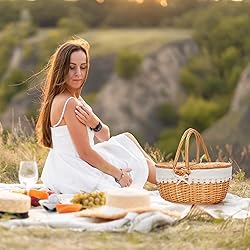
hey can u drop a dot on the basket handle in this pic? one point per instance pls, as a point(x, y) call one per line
point(199, 141)
point(178, 151)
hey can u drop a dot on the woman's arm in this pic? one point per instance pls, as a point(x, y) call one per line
point(90, 119)
point(79, 135)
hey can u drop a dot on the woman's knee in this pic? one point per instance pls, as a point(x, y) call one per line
point(152, 172)
point(129, 135)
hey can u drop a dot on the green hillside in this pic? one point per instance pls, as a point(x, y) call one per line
point(36, 48)
point(108, 41)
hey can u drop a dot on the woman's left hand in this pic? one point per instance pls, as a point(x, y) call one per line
point(86, 116)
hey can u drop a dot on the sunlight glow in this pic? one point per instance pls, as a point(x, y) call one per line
point(231, 0)
point(164, 3)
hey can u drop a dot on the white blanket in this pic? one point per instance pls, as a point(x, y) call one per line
point(233, 206)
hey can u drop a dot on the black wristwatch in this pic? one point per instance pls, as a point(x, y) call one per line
point(97, 128)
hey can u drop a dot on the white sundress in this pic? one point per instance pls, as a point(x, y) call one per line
point(65, 172)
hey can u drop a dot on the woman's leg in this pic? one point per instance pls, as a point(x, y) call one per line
point(151, 172)
point(150, 162)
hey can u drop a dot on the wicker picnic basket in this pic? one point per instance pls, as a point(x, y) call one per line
point(193, 182)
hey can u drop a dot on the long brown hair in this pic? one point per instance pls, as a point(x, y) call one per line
point(54, 84)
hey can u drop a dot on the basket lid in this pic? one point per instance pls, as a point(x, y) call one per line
point(195, 165)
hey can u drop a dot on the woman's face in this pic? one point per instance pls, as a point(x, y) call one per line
point(77, 70)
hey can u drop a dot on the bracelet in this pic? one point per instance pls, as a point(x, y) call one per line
point(122, 175)
point(97, 128)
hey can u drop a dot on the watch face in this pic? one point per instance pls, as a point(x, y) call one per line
point(98, 127)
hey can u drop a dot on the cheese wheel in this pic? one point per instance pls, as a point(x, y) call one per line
point(127, 198)
point(14, 203)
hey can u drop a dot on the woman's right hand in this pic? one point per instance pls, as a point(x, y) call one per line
point(125, 180)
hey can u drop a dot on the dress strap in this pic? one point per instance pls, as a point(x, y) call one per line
point(64, 107)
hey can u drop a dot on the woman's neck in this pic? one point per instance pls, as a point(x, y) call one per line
point(73, 93)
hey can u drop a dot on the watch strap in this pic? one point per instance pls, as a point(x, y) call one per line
point(97, 128)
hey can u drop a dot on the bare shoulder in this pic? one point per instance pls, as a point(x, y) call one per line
point(58, 105)
point(60, 100)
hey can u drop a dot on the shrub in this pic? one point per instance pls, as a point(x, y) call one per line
point(234, 76)
point(229, 57)
point(198, 113)
point(201, 78)
point(190, 82)
point(128, 64)
point(168, 115)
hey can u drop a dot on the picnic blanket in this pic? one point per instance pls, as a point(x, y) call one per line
point(232, 206)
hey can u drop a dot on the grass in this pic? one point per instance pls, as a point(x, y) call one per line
point(198, 233)
point(16, 146)
point(187, 234)
point(106, 41)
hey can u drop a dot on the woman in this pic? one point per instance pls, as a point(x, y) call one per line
point(67, 125)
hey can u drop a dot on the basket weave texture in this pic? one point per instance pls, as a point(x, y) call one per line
point(193, 182)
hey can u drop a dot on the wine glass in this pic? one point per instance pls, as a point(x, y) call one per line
point(28, 174)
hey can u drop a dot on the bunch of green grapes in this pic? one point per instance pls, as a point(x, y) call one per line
point(88, 200)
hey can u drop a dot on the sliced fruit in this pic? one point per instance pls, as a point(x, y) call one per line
point(40, 194)
point(68, 208)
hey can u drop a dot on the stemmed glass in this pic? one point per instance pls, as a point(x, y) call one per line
point(28, 174)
